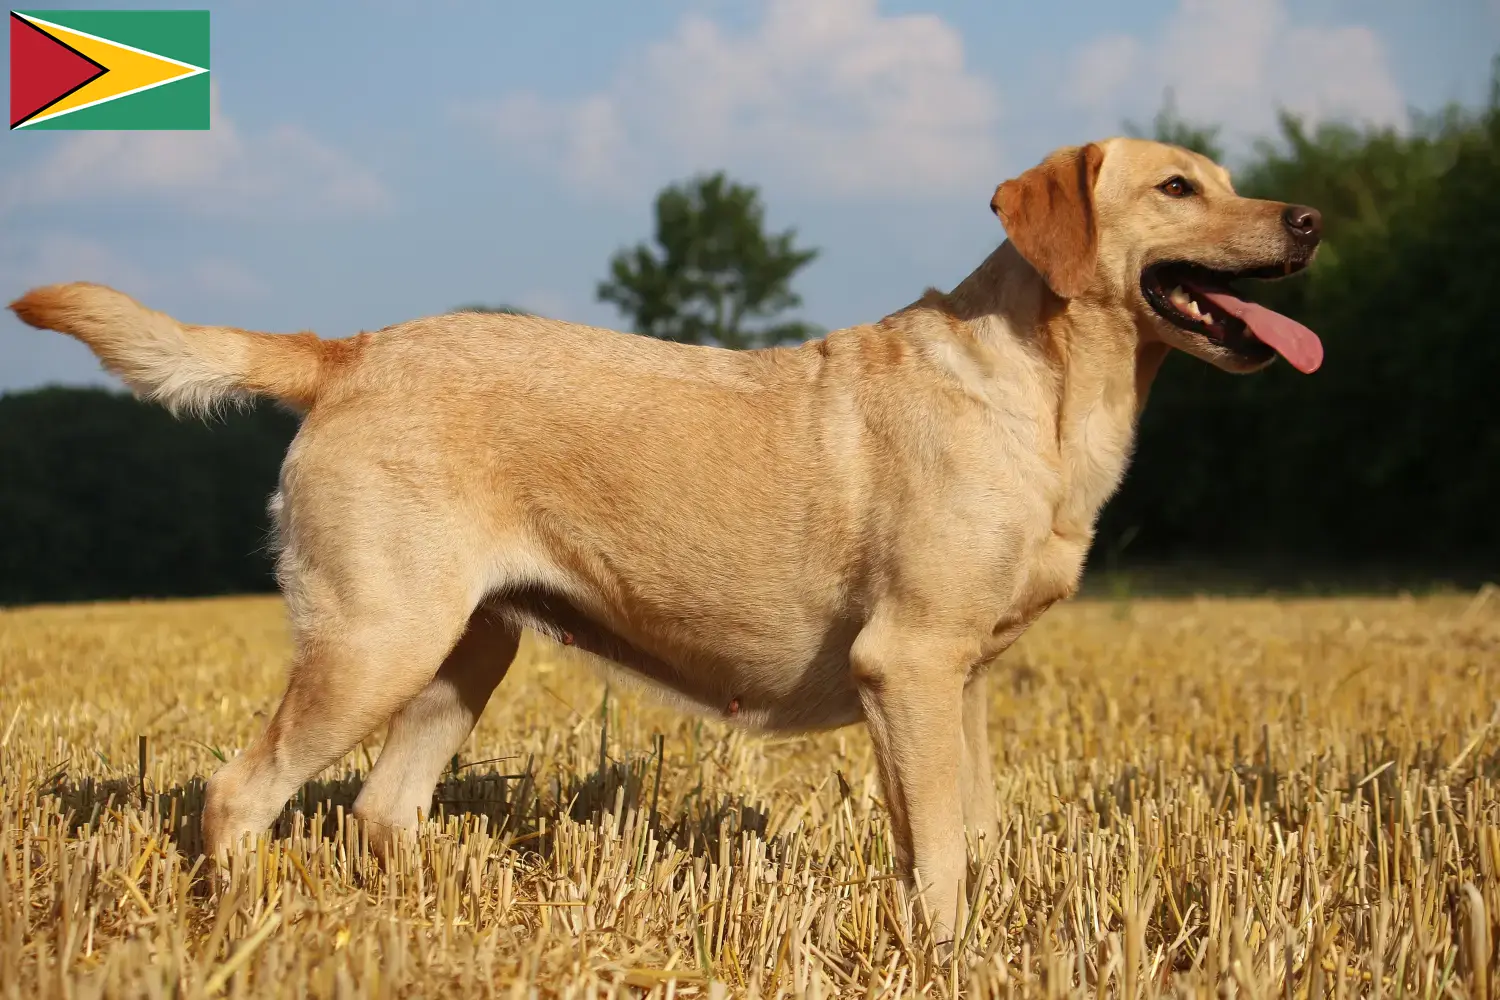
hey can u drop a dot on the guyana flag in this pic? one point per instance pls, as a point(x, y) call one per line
point(109, 69)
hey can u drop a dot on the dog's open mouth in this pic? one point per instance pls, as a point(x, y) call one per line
point(1198, 300)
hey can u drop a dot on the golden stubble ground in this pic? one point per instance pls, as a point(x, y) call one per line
point(1247, 798)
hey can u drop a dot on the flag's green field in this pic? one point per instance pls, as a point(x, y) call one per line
point(1261, 798)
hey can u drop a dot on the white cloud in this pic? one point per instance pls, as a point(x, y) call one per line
point(226, 279)
point(59, 256)
point(224, 171)
point(1235, 62)
point(826, 95)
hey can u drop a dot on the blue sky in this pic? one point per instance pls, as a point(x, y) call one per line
point(374, 162)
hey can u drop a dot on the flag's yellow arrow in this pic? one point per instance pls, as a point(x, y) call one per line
point(130, 70)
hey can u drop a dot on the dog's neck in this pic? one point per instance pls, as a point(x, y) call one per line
point(1098, 372)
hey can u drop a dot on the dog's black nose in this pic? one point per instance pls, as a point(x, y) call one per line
point(1304, 223)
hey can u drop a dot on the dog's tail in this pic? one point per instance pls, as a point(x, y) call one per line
point(186, 368)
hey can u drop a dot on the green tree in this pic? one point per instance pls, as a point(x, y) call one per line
point(103, 497)
point(502, 308)
point(715, 275)
point(1169, 126)
point(1389, 457)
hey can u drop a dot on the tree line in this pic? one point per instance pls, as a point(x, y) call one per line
point(1387, 460)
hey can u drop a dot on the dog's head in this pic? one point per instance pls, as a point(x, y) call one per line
point(1158, 231)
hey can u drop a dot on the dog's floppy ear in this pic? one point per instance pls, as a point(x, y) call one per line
point(1048, 213)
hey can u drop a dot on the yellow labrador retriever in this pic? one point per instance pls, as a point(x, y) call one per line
point(794, 538)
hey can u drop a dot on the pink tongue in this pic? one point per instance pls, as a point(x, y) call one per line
point(1287, 337)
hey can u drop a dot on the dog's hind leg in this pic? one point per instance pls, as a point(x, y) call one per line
point(426, 733)
point(375, 612)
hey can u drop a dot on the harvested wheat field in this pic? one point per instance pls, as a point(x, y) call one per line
point(1252, 799)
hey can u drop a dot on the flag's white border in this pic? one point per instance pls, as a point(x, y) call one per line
point(195, 70)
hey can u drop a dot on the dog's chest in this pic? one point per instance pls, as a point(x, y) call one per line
point(1095, 450)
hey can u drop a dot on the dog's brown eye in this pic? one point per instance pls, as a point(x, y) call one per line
point(1176, 187)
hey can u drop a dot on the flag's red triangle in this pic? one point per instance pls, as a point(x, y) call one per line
point(43, 70)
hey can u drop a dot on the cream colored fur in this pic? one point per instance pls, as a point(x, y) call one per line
point(847, 530)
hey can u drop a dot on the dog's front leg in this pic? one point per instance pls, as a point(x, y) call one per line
point(977, 782)
point(911, 685)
